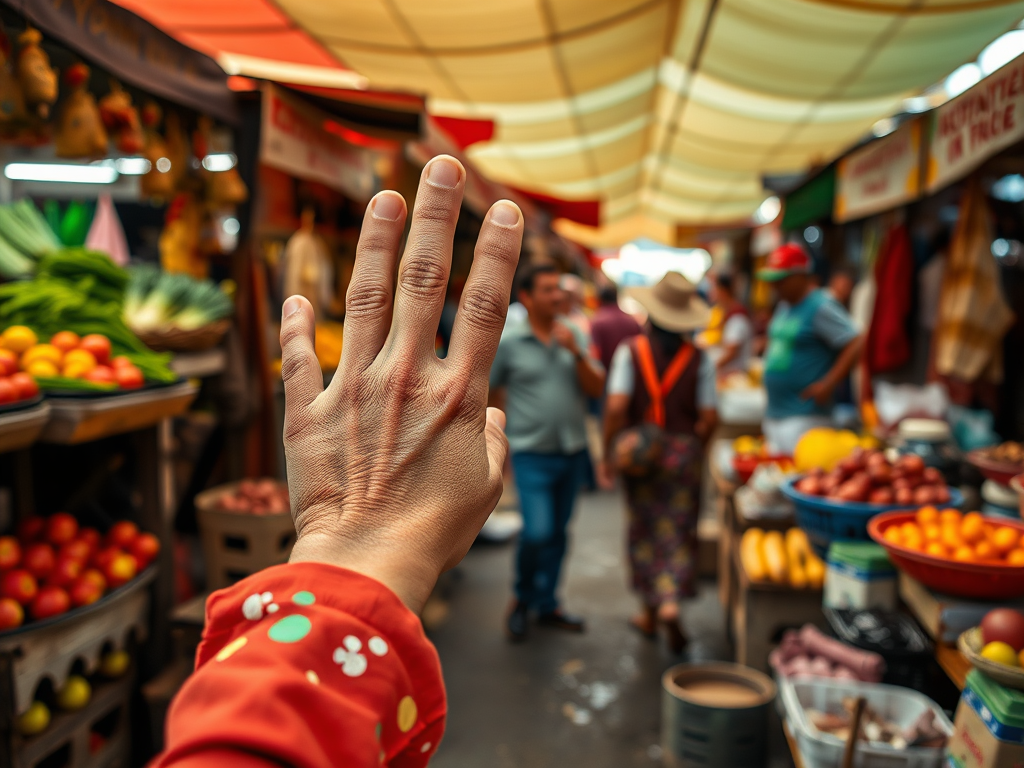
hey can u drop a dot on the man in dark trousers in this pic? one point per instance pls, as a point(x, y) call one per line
point(610, 326)
point(542, 376)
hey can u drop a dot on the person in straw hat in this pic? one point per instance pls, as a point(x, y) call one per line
point(660, 411)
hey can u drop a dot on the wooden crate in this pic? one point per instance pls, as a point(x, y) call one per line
point(237, 544)
point(19, 429)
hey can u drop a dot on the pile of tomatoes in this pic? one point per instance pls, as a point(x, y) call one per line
point(68, 356)
point(948, 534)
point(53, 565)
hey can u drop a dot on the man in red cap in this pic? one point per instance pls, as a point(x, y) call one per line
point(812, 345)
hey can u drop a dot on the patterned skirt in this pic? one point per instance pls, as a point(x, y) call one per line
point(663, 510)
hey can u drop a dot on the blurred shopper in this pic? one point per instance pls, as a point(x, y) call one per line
point(544, 374)
point(812, 345)
point(572, 290)
point(841, 285)
point(610, 325)
point(732, 352)
point(659, 411)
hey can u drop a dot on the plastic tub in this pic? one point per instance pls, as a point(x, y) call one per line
point(827, 520)
point(982, 581)
point(894, 636)
point(898, 705)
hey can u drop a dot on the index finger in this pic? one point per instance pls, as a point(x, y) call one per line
point(481, 315)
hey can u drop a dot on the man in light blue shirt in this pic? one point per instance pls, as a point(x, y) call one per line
point(542, 375)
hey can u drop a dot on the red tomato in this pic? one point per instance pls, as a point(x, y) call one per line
point(145, 548)
point(25, 384)
point(85, 591)
point(122, 534)
point(79, 550)
point(31, 529)
point(65, 573)
point(39, 560)
point(11, 613)
point(51, 601)
point(102, 558)
point(99, 345)
point(120, 570)
point(8, 392)
point(121, 362)
point(61, 529)
point(1006, 625)
point(65, 341)
point(10, 553)
point(91, 537)
point(102, 374)
point(96, 578)
point(128, 377)
point(8, 362)
point(19, 586)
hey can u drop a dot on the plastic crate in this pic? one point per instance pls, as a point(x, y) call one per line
point(899, 705)
point(237, 544)
point(827, 520)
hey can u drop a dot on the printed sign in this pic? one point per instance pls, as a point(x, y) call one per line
point(881, 176)
point(293, 140)
point(976, 125)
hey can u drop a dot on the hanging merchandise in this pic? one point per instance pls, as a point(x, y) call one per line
point(157, 182)
point(106, 233)
point(12, 102)
point(121, 119)
point(179, 242)
point(888, 343)
point(223, 187)
point(179, 150)
point(37, 78)
point(973, 314)
point(80, 132)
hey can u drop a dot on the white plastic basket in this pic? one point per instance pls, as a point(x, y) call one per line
point(899, 705)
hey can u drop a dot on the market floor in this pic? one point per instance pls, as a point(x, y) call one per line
point(560, 700)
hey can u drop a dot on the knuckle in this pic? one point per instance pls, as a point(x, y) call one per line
point(498, 247)
point(295, 365)
point(292, 332)
point(424, 275)
point(367, 300)
point(435, 211)
point(484, 309)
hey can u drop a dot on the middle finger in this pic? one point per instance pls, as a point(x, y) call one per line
point(423, 274)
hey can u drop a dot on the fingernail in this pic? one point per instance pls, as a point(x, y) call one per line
point(291, 306)
point(504, 214)
point(443, 173)
point(387, 207)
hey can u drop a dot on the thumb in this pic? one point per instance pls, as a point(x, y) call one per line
point(497, 446)
point(303, 379)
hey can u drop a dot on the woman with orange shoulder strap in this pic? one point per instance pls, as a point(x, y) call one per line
point(659, 412)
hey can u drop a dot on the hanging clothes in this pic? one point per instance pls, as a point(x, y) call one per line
point(888, 342)
point(973, 314)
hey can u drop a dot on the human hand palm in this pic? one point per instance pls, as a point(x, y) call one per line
point(395, 466)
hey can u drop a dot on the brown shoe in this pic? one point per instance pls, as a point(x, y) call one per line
point(517, 622)
point(559, 619)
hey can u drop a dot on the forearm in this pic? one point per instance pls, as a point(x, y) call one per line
point(728, 356)
point(845, 362)
point(590, 375)
point(614, 422)
point(706, 423)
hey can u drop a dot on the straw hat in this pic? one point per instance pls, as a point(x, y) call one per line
point(673, 304)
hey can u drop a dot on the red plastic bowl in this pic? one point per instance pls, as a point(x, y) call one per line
point(744, 466)
point(1001, 472)
point(983, 581)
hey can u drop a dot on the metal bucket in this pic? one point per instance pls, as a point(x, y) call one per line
point(715, 715)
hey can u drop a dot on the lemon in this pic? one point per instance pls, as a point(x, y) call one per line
point(75, 370)
point(1000, 653)
point(82, 358)
point(75, 694)
point(35, 720)
point(18, 338)
point(114, 664)
point(41, 352)
point(42, 368)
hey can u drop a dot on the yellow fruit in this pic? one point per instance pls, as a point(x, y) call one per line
point(746, 445)
point(1000, 653)
point(927, 516)
point(964, 554)
point(870, 443)
point(35, 720)
point(114, 664)
point(1005, 539)
point(18, 338)
point(42, 368)
point(80, 357)
point(75, 370)
point(1020, 658)
point(951, 537)
point(932, 532)
point(41, 352)
point(815, 571)
point(750, 554)
point(824, 447)
point(935, 549)
point(892, 535)
point(75, 694)
point(985, 550)
point(773, 550)
point(1016, 557)
point(949, 517)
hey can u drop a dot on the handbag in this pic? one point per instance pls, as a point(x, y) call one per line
point(637, 450)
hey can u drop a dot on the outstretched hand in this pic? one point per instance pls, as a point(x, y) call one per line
point(395, 466)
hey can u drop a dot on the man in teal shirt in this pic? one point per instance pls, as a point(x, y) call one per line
point(812, 346)
point(543, 374)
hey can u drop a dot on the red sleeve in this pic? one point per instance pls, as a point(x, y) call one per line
point(308, 665)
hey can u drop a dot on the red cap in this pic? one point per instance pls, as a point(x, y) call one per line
point(788, 259)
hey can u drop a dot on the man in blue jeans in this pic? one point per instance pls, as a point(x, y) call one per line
point(544, 373)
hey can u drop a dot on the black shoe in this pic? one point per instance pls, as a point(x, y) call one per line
point(517, 622)
point(559, 619)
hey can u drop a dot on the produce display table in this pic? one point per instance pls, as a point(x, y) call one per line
point(763, 609)
point(794, 750)
point(200, 365)
point(725, 513)
point(81, 420)
point(19, 429)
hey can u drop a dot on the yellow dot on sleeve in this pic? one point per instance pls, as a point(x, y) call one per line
point(231, 648)
point(406, 714)
point(313, 677)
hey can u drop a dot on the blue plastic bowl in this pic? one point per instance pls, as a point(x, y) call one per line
point(827, 520)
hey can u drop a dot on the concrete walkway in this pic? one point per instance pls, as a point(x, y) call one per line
point(559, 700)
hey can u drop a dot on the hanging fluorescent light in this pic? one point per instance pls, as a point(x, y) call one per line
point(768, 210)
point(132, 166)
point(962, 78)
point(1002, 51)
point(61, 172)
point(163, 164)
point(224, 161)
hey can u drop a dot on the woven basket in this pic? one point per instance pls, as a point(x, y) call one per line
point(176, 340)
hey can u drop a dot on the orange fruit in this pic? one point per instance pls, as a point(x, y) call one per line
point(972, 527)
point(935, 549)
point(948, 516)
point(932, 532)
point(914, 542)
point(927, 515)
point(964, 554)
point(41, 352)
point(1015, 557)
point(1005, 538)
point(18, 338)
point(951, 537)
point(986, 550)
point(65, 341)
point(893, 535)
point(911, 529)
